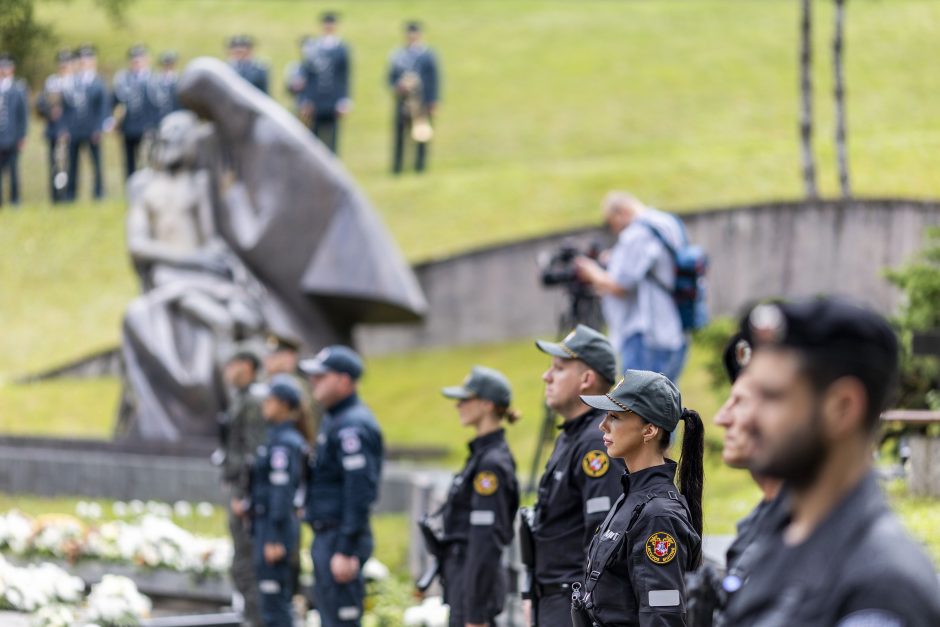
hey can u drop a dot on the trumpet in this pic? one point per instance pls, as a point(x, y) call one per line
point(413, 89)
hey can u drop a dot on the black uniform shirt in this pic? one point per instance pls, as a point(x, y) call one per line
point(859, 567)
point(576, 491)
point(748, 528)
point(479, 513)
point(636, 565)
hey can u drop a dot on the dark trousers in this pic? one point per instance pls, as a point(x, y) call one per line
point(275, 585)
point(403, 134)
point(131, 146)
point(8, 162)
point(340, 605)
point(552, 610)
point(243, 568)
point(452, 574)
point(57, 194)
point(326, 127)
point(94, 149)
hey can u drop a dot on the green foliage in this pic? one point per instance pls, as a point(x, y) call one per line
point(713, 340)
point(920, 311)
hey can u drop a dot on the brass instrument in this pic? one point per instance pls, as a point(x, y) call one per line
point(413, 90)
point(60, 152)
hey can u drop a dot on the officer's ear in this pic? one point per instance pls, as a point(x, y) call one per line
point(650, 432)
point(843, 408)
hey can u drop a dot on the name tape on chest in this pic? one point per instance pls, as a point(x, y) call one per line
point(661, 548)
point(598, 504)
point(595, 464)
point(482, 517)
point(354, 462)
point(485, 483)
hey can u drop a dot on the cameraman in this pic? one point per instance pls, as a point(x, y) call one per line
point(642, 318)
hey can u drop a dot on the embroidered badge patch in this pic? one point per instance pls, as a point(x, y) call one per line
point(485, 483)
point(595, 464)
point(661, 548)
point(278, 459)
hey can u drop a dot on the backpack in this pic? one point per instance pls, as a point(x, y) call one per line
point(690, 286)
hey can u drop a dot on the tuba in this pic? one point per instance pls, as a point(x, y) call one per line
point(411, 85)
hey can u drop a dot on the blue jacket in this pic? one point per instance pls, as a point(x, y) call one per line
point(13, 114)
point(344, 478)
point(419, 59)
point(86, 107)
point(133, 90)
point(254, 72)
point(276, 478)
point(325, 70)
point(51, 96)
point(163, 95)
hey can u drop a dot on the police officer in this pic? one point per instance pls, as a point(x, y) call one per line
point(243, 432)
point(133, 91)
point(415, 81)
point(581, 481)
point(823, 371)
point(50, 107)
point(282, 358)
point(241, 59)
point(276, 479)
point(163, 86)
point(14, 117)
point(481, 506)
point(324, 71)
point(344, 482)
point(635, 569)
point(87, 115)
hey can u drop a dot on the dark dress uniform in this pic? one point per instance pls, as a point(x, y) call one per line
point(163, 95)
point(86, 109)
point(634, 574)
point(252, 71)
point(859, 567)
point(276, 478)
point(50, 107)
point(325, 72)
point(478, 524)
point(14, 116)
point(421, 60)
point(578, 488)
point(134, 91)
point(245, 432)
point(343, 485)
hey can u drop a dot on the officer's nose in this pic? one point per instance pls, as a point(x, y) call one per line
point(547, 376)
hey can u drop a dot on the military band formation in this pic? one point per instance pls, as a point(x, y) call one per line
point(79, 107)
point(615, 535)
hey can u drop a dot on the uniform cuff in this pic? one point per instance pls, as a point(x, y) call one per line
point(346, 545)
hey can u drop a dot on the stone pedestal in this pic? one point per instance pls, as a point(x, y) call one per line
point(924, 476)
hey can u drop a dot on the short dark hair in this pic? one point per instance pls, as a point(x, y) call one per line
point(248, 357)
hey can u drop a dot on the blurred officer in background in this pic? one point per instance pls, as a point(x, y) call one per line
point(636, 566)
point(241, 50)
point(344, 483)
point(580, 482)
point(822, 371)
point(163, 86)
point(243, 432)
point(276, 479)
point(415, 81)
point(14, 117)
point(481, 507)
point(283, 357)
point(132, 91)
point(88, 116)
point(323, 85)
point(50, 105)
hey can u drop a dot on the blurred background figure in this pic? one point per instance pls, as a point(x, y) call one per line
point(50, 105)
point(14, 116)
point(414, 78)
point(163, 86)
point(87, 113)
point(241, 50)
point(138, 114)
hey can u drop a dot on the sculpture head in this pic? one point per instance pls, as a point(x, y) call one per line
point(177, 141)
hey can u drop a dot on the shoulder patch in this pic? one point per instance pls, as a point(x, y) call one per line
point(661, 548)
point(279, 460)
point(595, 464)
point(350, 442)
point(485, 483)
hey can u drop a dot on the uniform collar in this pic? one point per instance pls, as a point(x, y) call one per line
point(347, 402)
point(648, 477)
point(281, 427)
point(575, 425)
point(479, 443)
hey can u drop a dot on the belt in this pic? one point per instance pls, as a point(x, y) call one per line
point(545, 590)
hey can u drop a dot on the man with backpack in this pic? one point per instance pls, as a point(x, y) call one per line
point(652, 286)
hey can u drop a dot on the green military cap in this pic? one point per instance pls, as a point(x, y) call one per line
point(484, 383)
point(588, 345)
point(650, 395)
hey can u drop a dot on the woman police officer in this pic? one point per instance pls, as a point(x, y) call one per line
point(477, 518)
point(636, 563)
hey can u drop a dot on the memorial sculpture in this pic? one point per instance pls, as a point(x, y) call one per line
point(244, 225)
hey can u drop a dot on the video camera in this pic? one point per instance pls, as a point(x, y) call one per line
point(559, 268)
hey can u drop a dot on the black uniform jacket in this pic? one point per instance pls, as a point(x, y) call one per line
point(579, 485)
point(636, 565)
point(859, 567)
point(478, 516)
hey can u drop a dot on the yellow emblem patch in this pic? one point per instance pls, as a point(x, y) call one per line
point(595, 464)
point(661, 548)
point(485, 483)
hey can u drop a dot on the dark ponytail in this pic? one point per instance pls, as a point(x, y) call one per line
point(509, 414)
point(691, 467)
